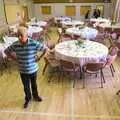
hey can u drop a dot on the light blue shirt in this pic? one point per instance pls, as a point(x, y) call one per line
point(26, 55)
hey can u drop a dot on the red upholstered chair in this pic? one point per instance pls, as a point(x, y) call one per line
point(111, 58)
point(36, 36)
point(76, 37)
point(94, 68)
point(63, 36)
point(51, 61)
point(69, 67)
point(99, 38)
point(49, 57)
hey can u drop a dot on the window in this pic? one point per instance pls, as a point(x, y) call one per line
point(46, 10)
point(84, 9)
point(70, 10)
point(101, 8)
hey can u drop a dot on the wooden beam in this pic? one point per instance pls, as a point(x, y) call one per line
point(69, 1)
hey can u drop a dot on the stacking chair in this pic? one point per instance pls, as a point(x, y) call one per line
point(58, 24)
point(59, 31)
point(63, 36)
point(36, 36)
point(51, 62)
point(113, 38)
point(46, 36)
point(67, 66)
point(99, 38)
point(111, 58)
point(94, 68)
point(117, 43)
point(49, 58)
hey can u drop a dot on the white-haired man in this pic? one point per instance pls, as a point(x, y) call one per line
point(26, 50)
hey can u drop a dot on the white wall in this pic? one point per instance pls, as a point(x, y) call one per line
point(30, 9)
point(58, 9)
point(2, 15)
point(11, 2)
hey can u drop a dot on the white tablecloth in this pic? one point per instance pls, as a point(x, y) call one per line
point(88, 51)
point(73, 23)
point(39, 23)
point(100, 20)
point(103, 25)
point(88, 33)
point(33, 29)
point(62, 18)
point(7, 42)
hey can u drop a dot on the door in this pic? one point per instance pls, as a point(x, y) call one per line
point(25, 13)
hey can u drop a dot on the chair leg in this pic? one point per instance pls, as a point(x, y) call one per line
point(81, 72)
point(60, 74)
point(5, 62)
point(46, 64)
point(101, 79)
point(1, 68)
point(84, 81)
point(103, 76)
point(118, 92)
point(96, 75)
point(113, 67)
point(74, 79)
point(112, 71)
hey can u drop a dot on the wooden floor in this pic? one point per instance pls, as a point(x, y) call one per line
point(60, 100)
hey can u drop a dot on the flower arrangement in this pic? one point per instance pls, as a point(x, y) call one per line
point(79, 43)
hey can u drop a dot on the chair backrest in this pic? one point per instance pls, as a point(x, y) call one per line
point(93, 66)
point(109, 30)
point(112, 55)
point(114, 36)
point(35, 35)
point(66, 65)
point(110, 59)
point(99, 38)
point(59, 23)
point(117, 43)
point(113, 50)
point(50, 45)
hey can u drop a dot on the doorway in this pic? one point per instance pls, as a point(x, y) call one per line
point(101, 8)
point(24, 11)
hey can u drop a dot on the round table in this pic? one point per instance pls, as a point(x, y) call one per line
point(7, 42)
point(100, 20)
point(88, 51)
point(104, 25)
point(88, 33)
point(62, 18)
point(72, 23)
point(39, 23)
point(33, 29)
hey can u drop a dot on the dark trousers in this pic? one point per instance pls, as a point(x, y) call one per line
point(29, 82)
